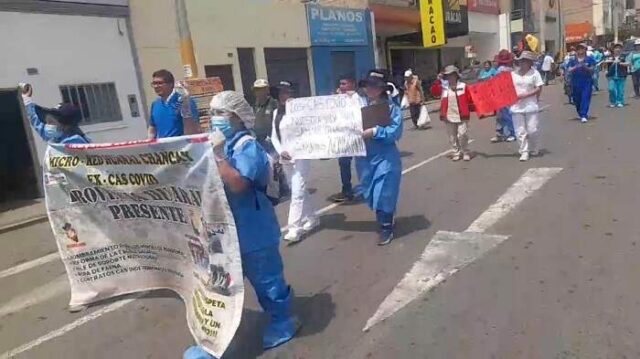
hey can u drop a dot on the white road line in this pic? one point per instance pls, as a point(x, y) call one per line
point(528, 183)
point(69, 327)
point(28, 265)
point(58, 286)
point(449, 252)
point(117, 305)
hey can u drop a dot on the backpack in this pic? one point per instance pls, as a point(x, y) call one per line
point(277, 189)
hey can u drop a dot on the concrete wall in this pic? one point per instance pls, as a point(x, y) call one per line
point(69, 50)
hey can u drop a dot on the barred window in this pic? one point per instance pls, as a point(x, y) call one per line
point(98, 102)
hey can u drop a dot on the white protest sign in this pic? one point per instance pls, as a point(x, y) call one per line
point(145, 215)
point(323, 127)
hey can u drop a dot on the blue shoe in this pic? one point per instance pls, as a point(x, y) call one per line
point(196, 352)
point(385, 236)
point(277, 334)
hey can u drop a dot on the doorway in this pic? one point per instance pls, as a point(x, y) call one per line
point(224, 72)
point(246, 59)
point(343, 64)
point(19, 165)
point(288, 64)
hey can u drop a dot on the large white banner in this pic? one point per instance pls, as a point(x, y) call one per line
point(323, 127)
point(136, 216)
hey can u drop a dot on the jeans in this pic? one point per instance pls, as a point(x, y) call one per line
point(582, 99)
point(504, 123)
point(384, 219)
point(546, 76)
point(527, 129)
point(635, 76)
point(596, 79)
point(345, 175)
point(616, 90)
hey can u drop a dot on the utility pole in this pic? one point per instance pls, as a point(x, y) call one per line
point(614, 18)
point(561, 42)
point(541, 20)
point(186, 44)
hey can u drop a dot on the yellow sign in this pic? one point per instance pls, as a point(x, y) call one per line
point(432, 19)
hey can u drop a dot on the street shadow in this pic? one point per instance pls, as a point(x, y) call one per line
point(404, 154)
point(496, 155)
point(577, 119)
point(403, 225)
point(15, 204)
point(315, 314)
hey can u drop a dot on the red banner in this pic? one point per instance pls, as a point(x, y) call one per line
point(491, 95)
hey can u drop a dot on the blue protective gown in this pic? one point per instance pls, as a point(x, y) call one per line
point(381, 170)
point(259, 236)
point(582, 83)
point(38, 126)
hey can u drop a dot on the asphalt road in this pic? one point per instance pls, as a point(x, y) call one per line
point(562, 285)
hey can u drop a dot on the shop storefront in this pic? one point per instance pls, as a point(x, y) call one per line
point(341, 45)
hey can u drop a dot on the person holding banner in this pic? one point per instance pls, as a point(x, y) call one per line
point(244, 168)
point(528, 84)
point(581, 69)
point(302, 218)
point(455, 111)
point(381, 170)
point(60, 125)
point(504, 122)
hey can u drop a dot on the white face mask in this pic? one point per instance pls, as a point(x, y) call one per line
point(52, 132)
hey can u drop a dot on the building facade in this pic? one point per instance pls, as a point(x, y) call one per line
point(79, 52)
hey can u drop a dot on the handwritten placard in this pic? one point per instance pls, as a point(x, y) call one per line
point(323, 127)
point(492, 95)
point(201, 91)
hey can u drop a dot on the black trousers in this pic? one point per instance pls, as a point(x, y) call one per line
point(415, 113)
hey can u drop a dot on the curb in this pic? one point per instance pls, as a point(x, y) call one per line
point(23, 223)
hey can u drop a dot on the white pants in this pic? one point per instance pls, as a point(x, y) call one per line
point(458, 136)
point(301, 209)
point(526, 126)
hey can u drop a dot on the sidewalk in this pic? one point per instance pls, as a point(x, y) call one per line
point(23, 215)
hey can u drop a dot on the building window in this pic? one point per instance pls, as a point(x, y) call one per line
point(98, 102)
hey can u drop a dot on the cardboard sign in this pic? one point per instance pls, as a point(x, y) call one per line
point(323, 127)
point(201, 91)
point(374, 115)
point(491, 95)
point(145, 215)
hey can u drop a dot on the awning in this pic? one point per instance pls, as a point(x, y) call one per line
point(394, 20)
point(577, 32)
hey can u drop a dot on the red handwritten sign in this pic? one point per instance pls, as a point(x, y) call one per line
point(492, 95)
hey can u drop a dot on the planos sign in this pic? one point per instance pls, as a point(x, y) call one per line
point(432, 22)
point(331, 26)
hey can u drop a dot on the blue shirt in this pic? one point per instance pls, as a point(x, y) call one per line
point(166, 115)
point(38, 126)
point(486, 74)
point(253, 213)
point(634, 58)
point(582, 74)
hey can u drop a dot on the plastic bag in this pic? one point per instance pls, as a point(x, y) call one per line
point(424, 121)
point(405, 102)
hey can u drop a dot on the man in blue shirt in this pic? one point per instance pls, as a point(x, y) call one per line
point(580, 69)
point(168, 111)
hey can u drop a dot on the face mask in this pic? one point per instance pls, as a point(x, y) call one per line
point(52, 132)
point(223, 124)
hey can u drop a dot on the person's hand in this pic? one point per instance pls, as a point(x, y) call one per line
point(368, 133)
point(217, 141)
point(27, 92)
point(285, 156)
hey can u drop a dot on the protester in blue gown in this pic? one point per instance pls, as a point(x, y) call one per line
point(244, 168)
point(581, 68)
point(381, 170)
point(54, 125)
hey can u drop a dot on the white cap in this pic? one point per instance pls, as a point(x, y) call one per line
point(408, 73)
point(637, 42)
point(260, 83)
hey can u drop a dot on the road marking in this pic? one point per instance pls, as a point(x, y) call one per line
point(117, 305)
point(449, 252)
point(58, 286)
point(446, 254)
point(528, 183)
point(69, 327)
point(28, 265)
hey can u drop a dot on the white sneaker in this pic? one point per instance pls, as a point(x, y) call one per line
point(310, 224)
point(584, 120)
point(293, 236)
point(77, 308)
point(456, 157)
point(612, 106)
point(620, 105)
point(466, 157)
point(524, 157)
point(511, 139)
point(534, 153)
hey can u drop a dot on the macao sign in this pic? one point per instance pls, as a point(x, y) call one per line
point(432, 20)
